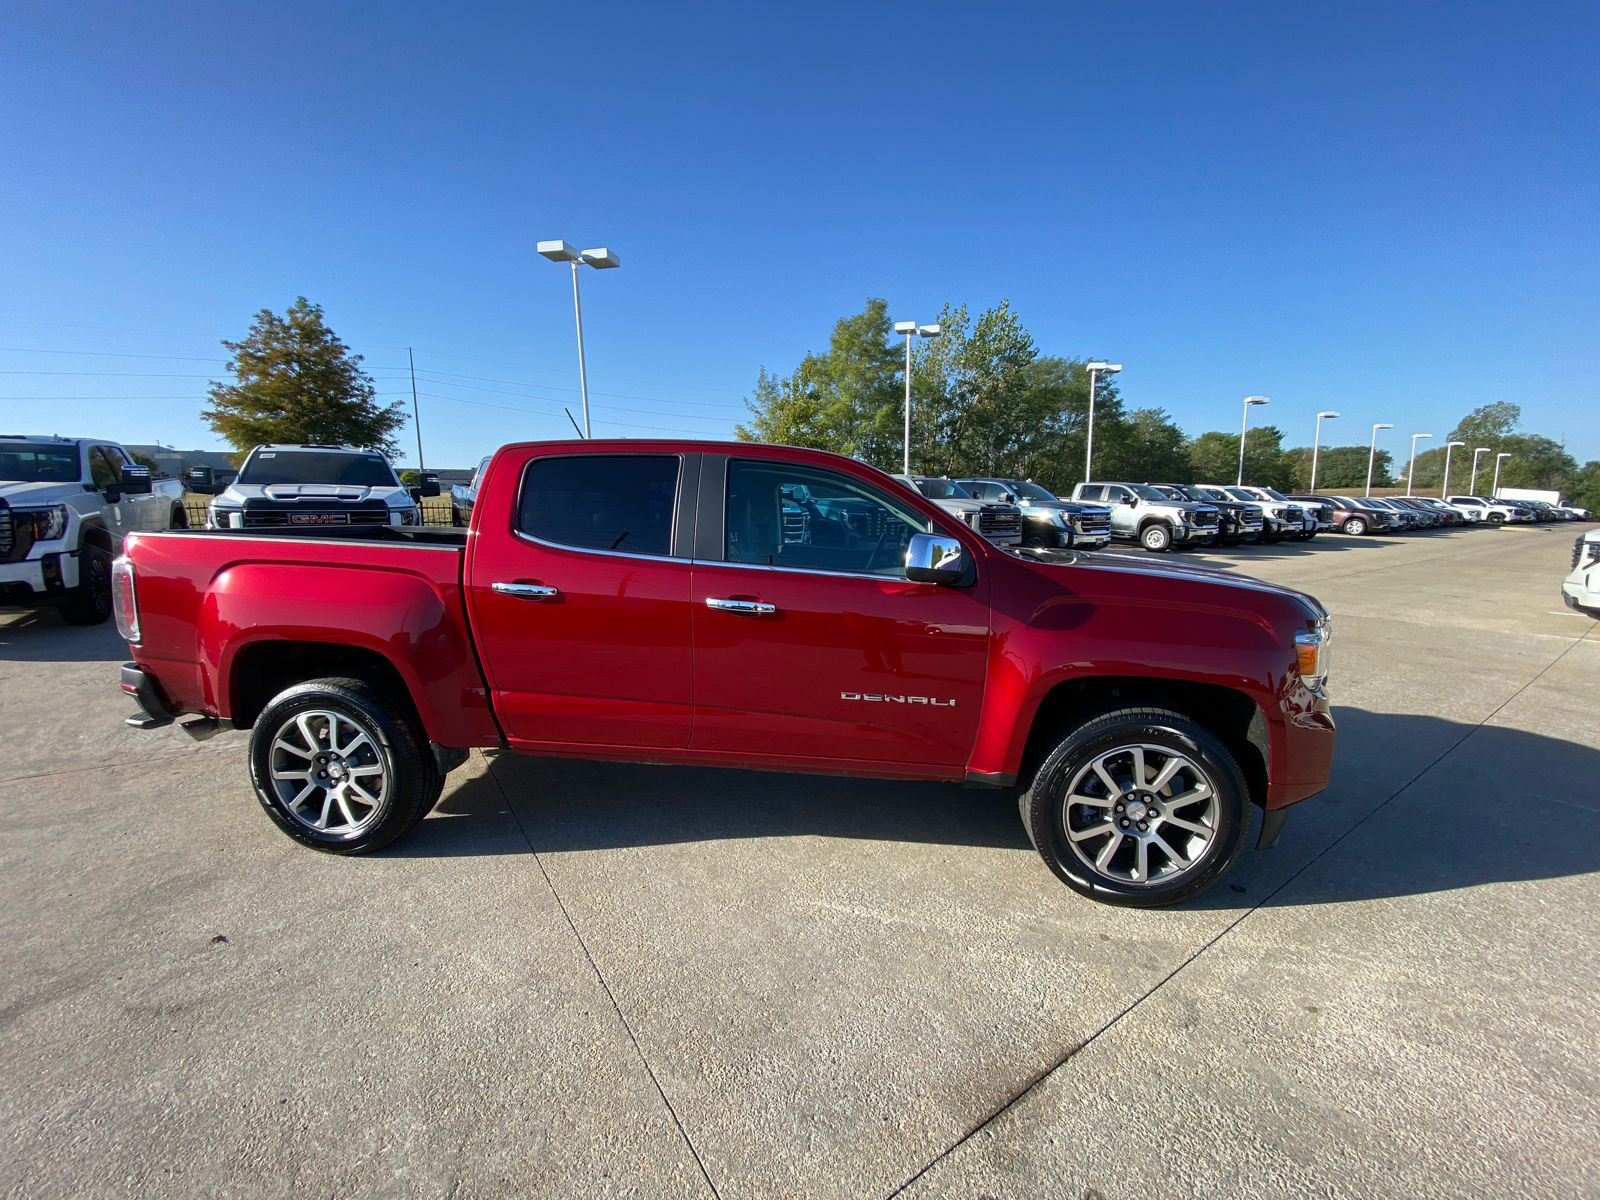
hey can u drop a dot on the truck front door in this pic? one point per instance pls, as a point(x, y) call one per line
point(579, 586)
point(809, 639)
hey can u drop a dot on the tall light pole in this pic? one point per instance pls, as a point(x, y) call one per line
point(1103, 368)
point(1373, 454)
point(1480, 450)
point(1412, 469)
point(1448, 446)
point(559, 251)
point(912, 329)
point(416, 413)
point(1496, 492)
point(1249, 403)
point(1316, 447)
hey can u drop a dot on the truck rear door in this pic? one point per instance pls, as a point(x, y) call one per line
point(809, 639)
point(579, 584)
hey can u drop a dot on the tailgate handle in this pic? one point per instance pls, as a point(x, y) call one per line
point(753, 607)
point(527, 591)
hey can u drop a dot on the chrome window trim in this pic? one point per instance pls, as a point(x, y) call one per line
point(528, 537)
point(723, 562)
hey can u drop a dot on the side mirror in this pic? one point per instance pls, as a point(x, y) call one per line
point(934, 559)
point(135, 481)
point(1007, 498)
point(1131, 501)
point(430, 484)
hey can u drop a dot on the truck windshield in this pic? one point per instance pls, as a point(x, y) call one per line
point(1030, 491)
point(942, 489)
point(1145, 492)
point(1273, 494)
point(30, 462)
point(318, 466)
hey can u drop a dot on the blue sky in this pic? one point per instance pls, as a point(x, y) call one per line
point(1388, 211)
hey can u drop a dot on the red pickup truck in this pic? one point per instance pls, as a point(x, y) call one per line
point(746, 606)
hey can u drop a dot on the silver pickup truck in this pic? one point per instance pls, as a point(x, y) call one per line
point(65, 506)
point(1143, 514)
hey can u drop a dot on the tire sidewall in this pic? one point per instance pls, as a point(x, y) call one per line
point(1040, 804)
point(1355, 526)
point(1161, 533)
point(91, 603)
point(410, 792)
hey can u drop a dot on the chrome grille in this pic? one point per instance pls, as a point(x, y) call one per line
point(1293, 513)
point(8, 534)
point(254, 520)
point(1207, 520)
point(990, 523)
point(1092, 522)
point(794, 526)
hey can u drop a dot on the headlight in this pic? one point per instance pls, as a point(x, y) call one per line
point(47, 524)
point(1058, 518)
point(1311, 650)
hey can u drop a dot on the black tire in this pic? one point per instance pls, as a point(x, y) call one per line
point(1037, 540)
point(1156, 733)
point(394, 751)
point(1156, 537)
point(180, 517)
point(91, 600)
point(1355, 526)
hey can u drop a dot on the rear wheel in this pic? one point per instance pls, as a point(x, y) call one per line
point(340, 768)
point(91, 603)
point(1355, 526)
point(1141, 807)
point(1156, 538)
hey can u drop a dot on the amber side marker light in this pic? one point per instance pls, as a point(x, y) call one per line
point(1308, 649)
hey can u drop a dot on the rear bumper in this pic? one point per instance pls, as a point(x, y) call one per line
point(146, 692)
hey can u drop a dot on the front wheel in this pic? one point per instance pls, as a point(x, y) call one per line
point(1355, 526)
point(339, 767)
point(1141, 808)
point(1155, 538)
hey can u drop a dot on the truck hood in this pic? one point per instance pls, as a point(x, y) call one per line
point(1050, 561)
point(36, 495)
point(320, 493)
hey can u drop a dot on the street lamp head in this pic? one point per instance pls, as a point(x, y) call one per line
point(905, 327)
point(1105, 368)
point(558, 251)
point(602, 258)
point(1449, 444)
point(929, 331)
point(1483, 449)
point(1377, 427)
point(1257, 400)
point(1504, 454)
point(1326, 414)
point(1415, 436)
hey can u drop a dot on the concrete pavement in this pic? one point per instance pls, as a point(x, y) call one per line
point(602, 979)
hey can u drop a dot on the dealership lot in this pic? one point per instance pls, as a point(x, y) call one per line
point(595, 979)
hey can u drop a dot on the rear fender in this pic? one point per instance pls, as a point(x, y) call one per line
point(403, 618)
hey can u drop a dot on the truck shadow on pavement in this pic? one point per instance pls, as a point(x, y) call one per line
point(1417, 804)
point(42, 636)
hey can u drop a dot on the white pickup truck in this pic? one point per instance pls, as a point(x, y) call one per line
point(65, 506)
point(307, 487)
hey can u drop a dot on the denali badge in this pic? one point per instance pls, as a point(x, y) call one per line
point(877, 699)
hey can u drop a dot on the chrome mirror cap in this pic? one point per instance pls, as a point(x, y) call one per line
point(934, 559)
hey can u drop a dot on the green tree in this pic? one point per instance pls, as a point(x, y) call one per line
point(1216, 458)
point(295, 381)
point(847, 400)
point(1144, 446)
point(1338, 467)
point(1584, 487)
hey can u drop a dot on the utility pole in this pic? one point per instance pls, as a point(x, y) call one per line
point(416, 413)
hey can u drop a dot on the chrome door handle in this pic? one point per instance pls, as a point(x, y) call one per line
point(527, 591)
point(753, 607)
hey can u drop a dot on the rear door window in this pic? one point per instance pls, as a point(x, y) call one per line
point(786, 515)
point(618, 502)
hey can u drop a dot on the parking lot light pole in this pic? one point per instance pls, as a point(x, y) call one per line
point(1316, 446)
point(1448, 446)
point(1411, 470)
point(1480, 450)
point(1249, 403)
point(912, 329)
point(1495, 494)
point(1103, 368)
point(1373, 454)
point(600, 259)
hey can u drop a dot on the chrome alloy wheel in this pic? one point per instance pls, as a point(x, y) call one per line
point(1140, 814)
point(328, 773)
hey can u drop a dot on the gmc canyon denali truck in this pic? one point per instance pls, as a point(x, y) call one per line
point(65, 506)
point(650, 601)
